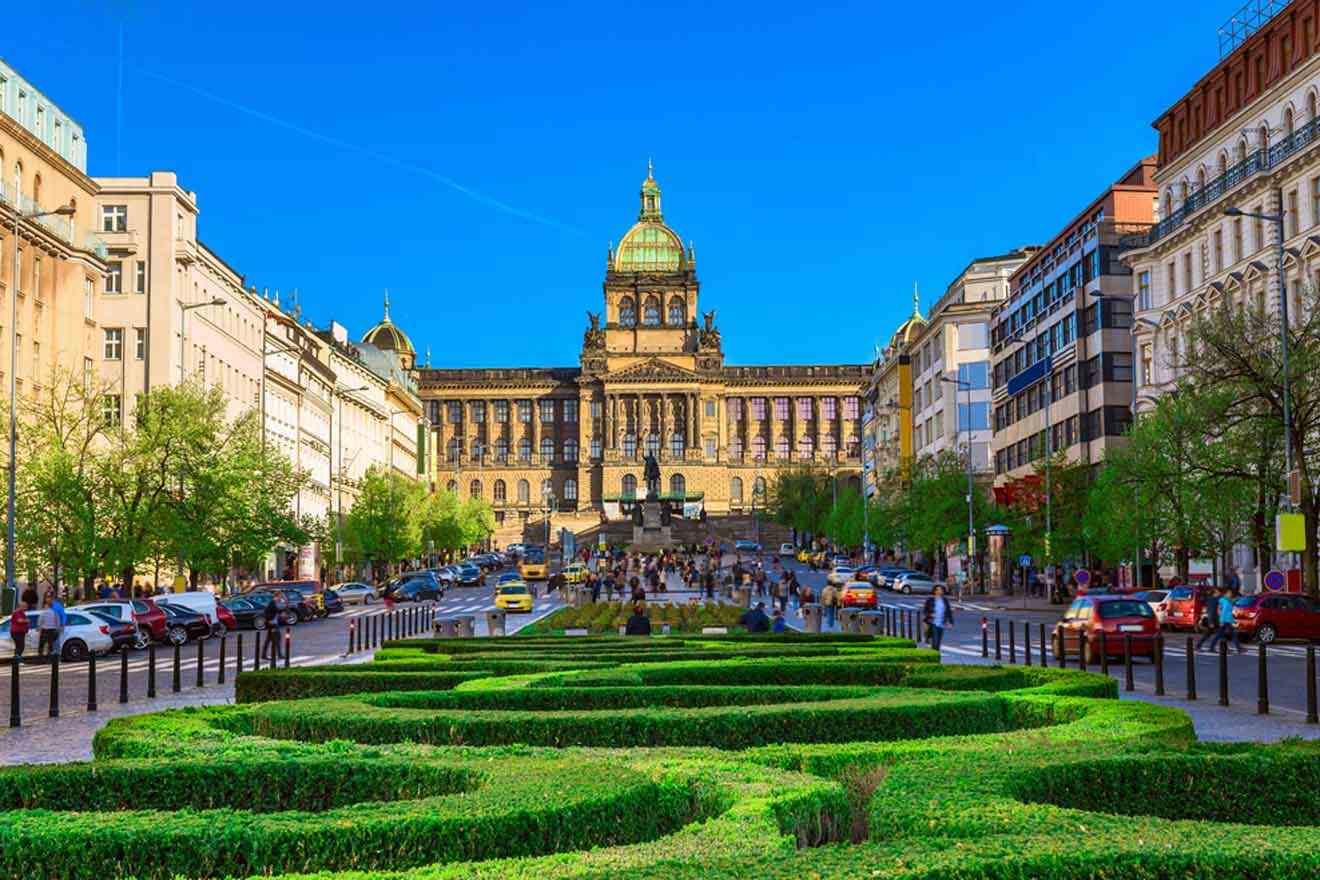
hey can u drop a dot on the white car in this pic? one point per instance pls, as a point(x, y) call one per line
point(355, 593)
point(840, 575)
point(787, 550)
point(83, 634)
point(123, 612)
point(914, 583)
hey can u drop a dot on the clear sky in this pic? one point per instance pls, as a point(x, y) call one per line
point(476, 159)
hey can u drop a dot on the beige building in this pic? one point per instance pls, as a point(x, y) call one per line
point(61, 264)
point(651, 378)
point(170, 309)
point(887, 409)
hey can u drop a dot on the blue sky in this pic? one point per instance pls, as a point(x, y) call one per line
point(476, 160)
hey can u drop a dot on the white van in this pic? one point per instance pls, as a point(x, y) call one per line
point(200, 601)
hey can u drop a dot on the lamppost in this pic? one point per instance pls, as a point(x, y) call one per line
point(183, 332)
point(971, 522)
point(548, 497)
point(11, 587)
point(339, 501)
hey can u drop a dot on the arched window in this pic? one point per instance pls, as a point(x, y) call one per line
point(677, 312)
point(547, 449)
point(451, 486)
point(781, 448)
point(36, 191)
point(570, 450)
point(651, 312)
point(628, 486)
point(629, 445)
point(453, 448)
point(1310, 107)
point(18, 181)
point(758, 488)
point(570, 490)
point(524, 450)
point(477, 450)
point(676, 444)
point(500, 490)
point(502, 451)
point(1223, 162)
point(653, 443)
point(735, 489)
point(758, 448)
point(1241, 150)
point(1200, 178)
point(735, 448)
point(677, 486)
point(1182, 190)
point(1167, 205)
point(475, 489)
point(805, 447)
point(524, 491)
point(1288, 122)
point(627, 312)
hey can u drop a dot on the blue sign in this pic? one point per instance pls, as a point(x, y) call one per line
point(1275, 581)
point(1082, 576)
point(1024, 561)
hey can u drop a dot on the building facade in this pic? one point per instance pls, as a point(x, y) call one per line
point(954, 343)
point(61, 264)
point(1061, 344)
point(887, 439)
point(651, 378)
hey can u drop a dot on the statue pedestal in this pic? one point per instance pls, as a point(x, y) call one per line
point(652, 535)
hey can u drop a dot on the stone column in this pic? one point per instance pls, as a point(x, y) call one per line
point(536, 431)
point(696, 421)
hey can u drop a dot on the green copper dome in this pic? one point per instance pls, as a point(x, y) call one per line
point(650, 246)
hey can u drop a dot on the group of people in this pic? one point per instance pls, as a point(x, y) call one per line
point(50, 621)
point(1219, 614)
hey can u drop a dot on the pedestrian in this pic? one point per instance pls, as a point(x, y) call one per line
point(1211, 619)
point(594, 584)
point(388, 595)
point(638, 594)
point(48, 624)
point(639, 624)
point(938, 614)
point(19, 625)
point(1226, 627)
point(755, 619)
point(778, 624)
point(829, 597)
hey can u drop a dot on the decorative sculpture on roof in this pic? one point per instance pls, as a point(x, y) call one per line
point(594, 337)
point(709, 335)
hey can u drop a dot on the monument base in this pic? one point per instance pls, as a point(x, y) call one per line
point(653, 534)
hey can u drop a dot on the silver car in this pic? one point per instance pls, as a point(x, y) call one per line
point(356, 593)
point(915, 583)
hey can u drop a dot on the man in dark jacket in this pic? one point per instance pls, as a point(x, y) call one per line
point(938, 614)
point(755, 619)
point(639, 624)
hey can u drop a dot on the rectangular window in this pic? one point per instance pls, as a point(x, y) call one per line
point(140, 343)
point(1187, 272)
point(596, 409)
point(971, 336)
point(570, 410)
point(524, 411)
point(758, 409)
point(1315, 201)
point(455, 411)
point(735, 407)
point(595, 449)
point(1120, 367)
point(433, 409)
point(114, 343)
point(89, 300)
point(710, 409)
point(1293, 221)
point(1143, 289)
point(112, 409)
point(501, 410)
point(114, 278)
point(1219, 250)
point(477, 409)
point(829, 409)
point(1147, 364)
point(140, 284)
point(1239, 247)
point(781, 409)
point(804, 409)
point(547, 408)
point(710, 448)
point(850, 408)
point(114, 218)
point(1257, 229)
point(975, 374)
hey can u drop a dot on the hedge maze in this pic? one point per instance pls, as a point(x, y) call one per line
point(669, 757)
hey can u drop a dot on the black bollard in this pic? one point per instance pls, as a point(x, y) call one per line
point(55, 685)
point(123, 676)
point(288, 647)
point(1083, 651)
point(999, 654)
point(1063, 652)
point(201, 657)
point(1312, 715)
point(151, 670)
point(238, 657)
point(91, 682)
point(1191, 669)
point(220, 675)
point(175, 682)
point(1223, 672)
point(1104, 653)
point(1012, 643)
point(1026, 642)
point(15, 716)
point(1159, 664)
point(350, 639)
point(1262, 681)
point(1128, 684)
point(985, 637)
point(1043, 656)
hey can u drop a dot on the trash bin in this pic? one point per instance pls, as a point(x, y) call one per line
point(848, 620)
point(466, 627)
point(811, 613)
point(872, 622)
point(448, 627)
point(495, 622)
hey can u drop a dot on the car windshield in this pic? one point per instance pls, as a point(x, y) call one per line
point(536, 557)
point(513, 590)
point(1245, 602)
point(1153, 595)
point(1181, 593)
point(1124, 608)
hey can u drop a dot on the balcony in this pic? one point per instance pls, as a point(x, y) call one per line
point(62, 227)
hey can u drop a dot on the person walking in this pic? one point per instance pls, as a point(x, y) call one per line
point(829, 597)
point(594, 584)
point(1226, 628)
point(755, 619)
point(19, 626)
point(48, 624)
point(938, 614)
point(1211, 619)
point(639, 624)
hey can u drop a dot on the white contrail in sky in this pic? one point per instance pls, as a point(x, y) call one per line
point(473, 194)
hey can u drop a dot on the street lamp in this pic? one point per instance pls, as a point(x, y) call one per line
point(11, 587)
point(548, 497)
point(183, 332)
point(1277, 220)
point(971, 523)
point(339, 502)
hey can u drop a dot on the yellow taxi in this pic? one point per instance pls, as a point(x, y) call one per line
point(858, 594)
point(513, 596)
point(803, 555)
point(532, 566)
point(575, 573)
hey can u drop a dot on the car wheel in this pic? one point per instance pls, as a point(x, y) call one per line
point(1266, 634)
point(141, 639)
point(906, 590)
point(366, 600)
point(177, 635)
point(259, 622)
point(74, 651)
point(219, 630)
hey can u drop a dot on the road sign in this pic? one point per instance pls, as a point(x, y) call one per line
point(1275, 581)
point(1024, 561)
point(1083, 577)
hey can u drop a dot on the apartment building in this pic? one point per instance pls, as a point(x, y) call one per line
point(887, 439)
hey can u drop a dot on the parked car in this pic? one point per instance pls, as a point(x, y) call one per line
point(867, 573)
point(575, 573)
point(787, 550)
point(1187, 607)
point(858, 594)
point(507, 578)
point(513, 596)
point(840, 575)
point(332, 602)
point(417, 586)
point(123, 612)
point(357, 593)
point(310, 591)
point(1268, 617)
point(885, 577)
point(286, 612)
point(470, 575)
point(123, 633)
point(82, 635)
point(183, 625)
point(914, 582)
point(247, 613)
point(198, 601)
point(745, 546)
point(1116, 616)
point(1158, 600)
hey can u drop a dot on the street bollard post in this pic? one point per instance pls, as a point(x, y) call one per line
point(220, 676)
point(15, 716)
point(1223, 672)
point(1262, 681)
point(201, 659)
point(985, 637)
point(288, 647)
point(151, 670)
point(1191, 669)
point(1104, 653)
point(1159, 664)
point(175, 682)
point(1044, 657)
point(91, 682)
point(350, 639)
point(256, 650)
point(999, 653)
point(1128, 683)
point(55, 685)
point(1063, 652)
point(1312, 716)
point(238, 658)
point(1026, 642)
point(123, 677)
point(1012, 643)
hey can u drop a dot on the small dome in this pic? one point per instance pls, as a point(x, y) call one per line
point(387, 336)
point(650, 246)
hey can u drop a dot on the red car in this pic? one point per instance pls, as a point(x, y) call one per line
point(224, 620)
point(1115, 616)
point(1185, 607)
point(1271, 616)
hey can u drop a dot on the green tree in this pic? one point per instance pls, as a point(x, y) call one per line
point(385, 524)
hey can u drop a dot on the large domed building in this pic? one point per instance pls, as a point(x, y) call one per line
point(651, 377)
